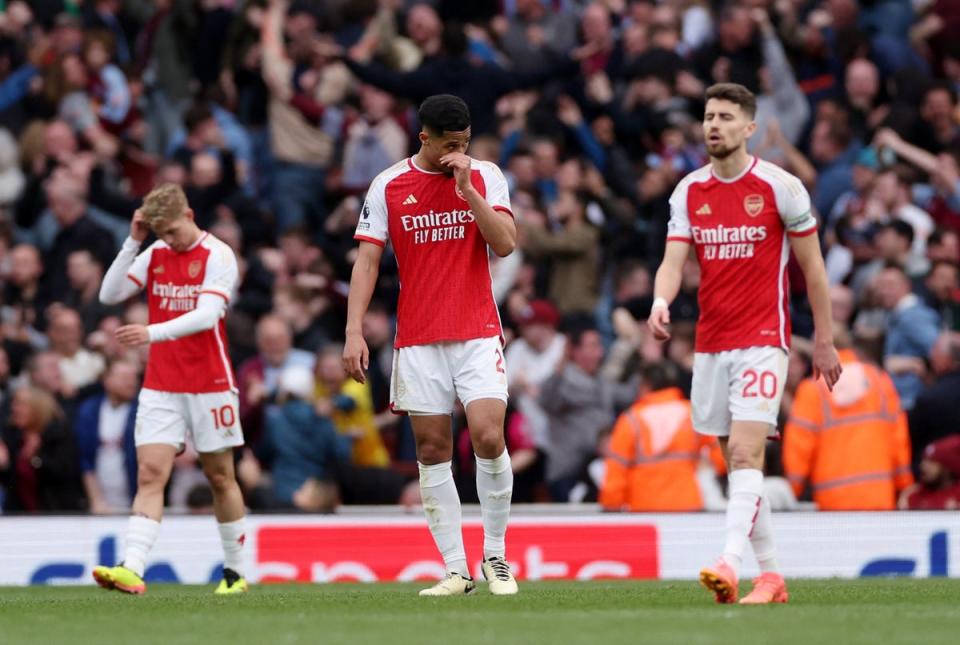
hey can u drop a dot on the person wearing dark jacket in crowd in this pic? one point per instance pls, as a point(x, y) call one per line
point(38, 456)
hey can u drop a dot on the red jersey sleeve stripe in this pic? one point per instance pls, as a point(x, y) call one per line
point(678, 238)
point(504, 209)
point(217, 293)
point(372, 240)
point(809, 231)
point(135, 281)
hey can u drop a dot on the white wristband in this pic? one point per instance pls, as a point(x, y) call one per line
point(659, 303)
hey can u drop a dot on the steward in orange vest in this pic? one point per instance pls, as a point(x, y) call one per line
point(654, 452)
point(852, 445)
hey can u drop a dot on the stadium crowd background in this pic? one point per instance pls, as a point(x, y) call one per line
point(276, 116)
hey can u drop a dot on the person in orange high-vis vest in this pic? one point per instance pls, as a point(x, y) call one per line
point(852, 445)
point(653, 452)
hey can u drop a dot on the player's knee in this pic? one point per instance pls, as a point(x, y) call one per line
point(434, 451)
point(488, 441)
point(151, 474)
point(220, 479)
point(744, 455)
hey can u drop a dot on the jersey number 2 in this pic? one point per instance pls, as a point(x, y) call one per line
point(500, 362)
point(766, 380)
point(223, 417)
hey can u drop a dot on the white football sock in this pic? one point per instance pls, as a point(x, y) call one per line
point(495, 489)
point(762, 540)
point(441, 505)
point(746, 488)
point(142, 532)
point(232, 537)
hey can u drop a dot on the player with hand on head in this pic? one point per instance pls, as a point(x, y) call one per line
point(441, 210)
point(189, 387)
point(742, 215)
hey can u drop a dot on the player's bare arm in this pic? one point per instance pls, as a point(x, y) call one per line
point(363, 279)
point(497, 228)
point(826, 362)
point(666, 287)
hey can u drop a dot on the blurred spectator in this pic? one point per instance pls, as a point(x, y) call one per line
point(373, 142)
point(653, 454)
point(85, 274)
point(782, 99)
point(24, 298)
point(107, 84)
point(104, 428)
point(938, 487)
point(941, 290)
point(833, 151)
point(39, 465)
point(298, 111)
point(734, 56)
point(580, 404)
point(75, 230)
point(80, 367)
point(300, 447)
point(259, 376)
point(851, 446)
point(44, 372)
point(536, 34)
point(912, 328)
point(891, 192)
point(531, 359)
point(349, 405)
point(12, 179)
point(571, 251)
point(936, 412)
point(892, 242)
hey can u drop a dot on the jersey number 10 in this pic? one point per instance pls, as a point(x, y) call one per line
point(225, 417)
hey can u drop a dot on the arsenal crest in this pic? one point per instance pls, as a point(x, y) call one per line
point(753, 204)
point(194, 269)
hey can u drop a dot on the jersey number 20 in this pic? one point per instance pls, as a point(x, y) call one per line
point(766, 380)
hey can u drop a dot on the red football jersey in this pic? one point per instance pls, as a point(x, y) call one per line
point(739, 229)
point(445, 289)
point(199, 362)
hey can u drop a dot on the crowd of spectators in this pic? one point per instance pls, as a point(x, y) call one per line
point(276, 115)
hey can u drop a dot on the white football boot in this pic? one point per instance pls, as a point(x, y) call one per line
point(497, 572)
point(453, 585)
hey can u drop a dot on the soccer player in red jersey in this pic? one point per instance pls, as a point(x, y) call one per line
point(742, 215)
point(189, 387)
point(441, 210)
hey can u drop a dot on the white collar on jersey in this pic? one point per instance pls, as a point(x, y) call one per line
point(413, 164)
point(199, 240)
point(743, 173)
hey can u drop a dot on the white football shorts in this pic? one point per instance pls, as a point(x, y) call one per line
point(737, 385)
point(211, 418)
point(427, 379)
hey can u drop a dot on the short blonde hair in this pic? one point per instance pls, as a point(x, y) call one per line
point(165, 203)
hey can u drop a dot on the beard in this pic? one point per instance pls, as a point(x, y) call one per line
point(720, 151)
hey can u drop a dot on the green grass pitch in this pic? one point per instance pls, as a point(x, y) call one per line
point(821, 612)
